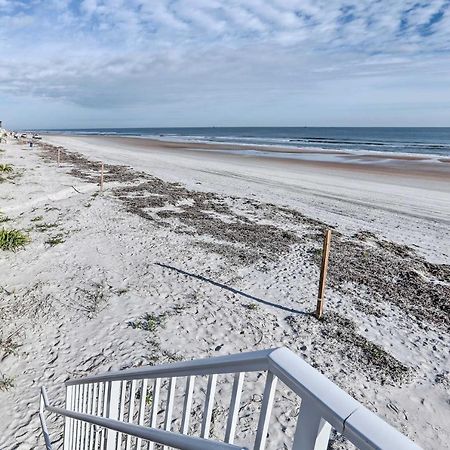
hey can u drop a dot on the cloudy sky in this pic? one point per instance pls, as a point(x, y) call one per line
point(110, 63)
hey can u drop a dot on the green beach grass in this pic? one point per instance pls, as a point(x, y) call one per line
point(12, 239)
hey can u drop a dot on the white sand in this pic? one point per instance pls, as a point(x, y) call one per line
point(68, 306)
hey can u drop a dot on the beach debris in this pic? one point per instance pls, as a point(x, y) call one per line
point(245, 231)
point(342, 338)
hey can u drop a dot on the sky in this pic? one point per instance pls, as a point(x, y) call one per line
point(136, 63)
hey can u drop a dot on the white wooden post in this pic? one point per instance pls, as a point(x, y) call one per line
point(113, 412)
point(233, 411)
point(123, 387)
point(155, 403)
point(101, 393)
point(131, 411)
point(187, 404)
point(68, 422)
point(312, 432)
point(169, 406)
point(266, 409)
point(141, 410)
point(94, 412)
point(79, 405)
point(209, 405)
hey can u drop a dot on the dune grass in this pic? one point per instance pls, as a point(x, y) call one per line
point(6, 168)
point(6, 383)
point(45, 226)
point(55, 240)
point(3, 217)
point(12, 239)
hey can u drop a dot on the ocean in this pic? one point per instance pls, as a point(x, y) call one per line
point(422, 141)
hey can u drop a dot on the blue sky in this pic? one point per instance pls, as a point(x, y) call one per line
point(110, 63)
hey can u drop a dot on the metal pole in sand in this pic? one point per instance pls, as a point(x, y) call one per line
point(101, 176)
point(323, 273)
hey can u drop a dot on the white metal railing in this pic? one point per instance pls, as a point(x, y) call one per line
point(100, 411)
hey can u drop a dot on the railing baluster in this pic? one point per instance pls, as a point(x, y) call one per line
point(69, 437)
point(266, 409)
point(79, 402)
point(155, 403)
point(89, 411)
point(233, 411)
point(67, 420)
point(97, 441)
point(112, 412)
point(187, 404)
point(94, 412)
point(78, 406)
point(95, 403)
point(169, 406)
point(131, 411)
point(123, 391)
point(82, 403)
point(83, 410)
point(104, 413)
point(209, 405)
point(312, 432)
point(142, 410)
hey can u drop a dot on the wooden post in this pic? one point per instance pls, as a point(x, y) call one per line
point(101, 176)
point(59, 157)
point(323, 273)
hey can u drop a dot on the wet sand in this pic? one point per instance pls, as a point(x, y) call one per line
point(377, 163)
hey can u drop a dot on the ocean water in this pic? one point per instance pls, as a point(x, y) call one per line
point(422, 141)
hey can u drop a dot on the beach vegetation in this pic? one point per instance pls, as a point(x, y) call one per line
point(8, 346)
point(93, 299)
point(148, 322)
point(45, 226)
point(3, 218)
point(6, 383)
point(252, 306)
point(37, 219)
point(55, 240)
point(6, 168)
point(12, 239)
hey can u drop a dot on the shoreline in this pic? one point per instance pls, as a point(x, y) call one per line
point(187, 142)
point(430, 166)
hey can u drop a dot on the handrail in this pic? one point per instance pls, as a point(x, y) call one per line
point(42, 406)
point(346, 415)
point(249, 361)
point(169, 438)
point(323, 404)
point(334, 404)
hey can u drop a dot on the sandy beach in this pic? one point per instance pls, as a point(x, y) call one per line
point(220, 252)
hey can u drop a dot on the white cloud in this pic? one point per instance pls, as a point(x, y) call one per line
point(148, 52)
